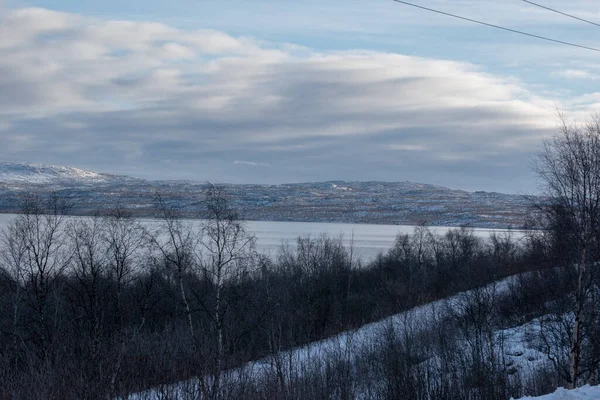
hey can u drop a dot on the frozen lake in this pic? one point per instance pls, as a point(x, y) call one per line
point(368, 239)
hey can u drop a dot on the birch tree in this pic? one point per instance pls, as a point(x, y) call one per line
point(227, 250)
point(176, 242)
point(124, 237)
point(569, 169)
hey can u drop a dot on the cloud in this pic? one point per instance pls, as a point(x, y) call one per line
point(406, 147)
point(252, 163)
point(577, 74)
point(134, 97)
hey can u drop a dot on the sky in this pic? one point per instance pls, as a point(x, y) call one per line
point(293, 91)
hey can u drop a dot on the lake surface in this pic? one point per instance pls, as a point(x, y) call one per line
point(368, 239)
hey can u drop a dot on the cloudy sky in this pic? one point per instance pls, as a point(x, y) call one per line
point(288, 91)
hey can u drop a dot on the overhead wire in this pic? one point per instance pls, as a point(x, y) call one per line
point(497, 26)
point(561, 13)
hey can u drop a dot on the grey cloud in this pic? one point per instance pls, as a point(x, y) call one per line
point(252, 163)
point(125, 106)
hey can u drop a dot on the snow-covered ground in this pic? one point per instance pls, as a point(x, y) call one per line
point(519, 347)
point(583, 393)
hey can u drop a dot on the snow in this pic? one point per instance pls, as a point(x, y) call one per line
point(44, 174)
point(341, 187)
point(583, 393)
point(354, 342)
point(521, 348)
point(521, 351)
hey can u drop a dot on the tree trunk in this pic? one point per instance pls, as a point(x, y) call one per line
point(575, 351)
point(219, 328)
point(186, 305)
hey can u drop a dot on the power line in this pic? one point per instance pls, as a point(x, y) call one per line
point(497, 26)
point(560, 12)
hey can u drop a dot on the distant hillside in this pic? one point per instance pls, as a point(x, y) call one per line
point(15, 174)
point(336, 201)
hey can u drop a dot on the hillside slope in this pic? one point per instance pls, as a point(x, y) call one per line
point(518, 348)
point(583, 393)
point(336, 201)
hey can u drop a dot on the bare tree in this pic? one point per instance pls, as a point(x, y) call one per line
point(124, 237)
point(228, 250)
point(89, 267)
point(88, 299)
point(569, 168)
point(39, 227)
point(12, 260)
point(176, 242)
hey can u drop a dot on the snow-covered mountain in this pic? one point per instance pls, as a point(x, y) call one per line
point(56, 175)
point(337, 201)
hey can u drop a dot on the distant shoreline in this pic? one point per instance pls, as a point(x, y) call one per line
point(146, 216)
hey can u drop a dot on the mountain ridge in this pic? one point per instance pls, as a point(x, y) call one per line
point(74, 172)
point(379, 202)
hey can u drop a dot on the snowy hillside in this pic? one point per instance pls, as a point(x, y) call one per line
point(519, 351)
point(39, 174)
point(582, 393)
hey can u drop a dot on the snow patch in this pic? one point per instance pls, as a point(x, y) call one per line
point(583, 393)
point(39, 173)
